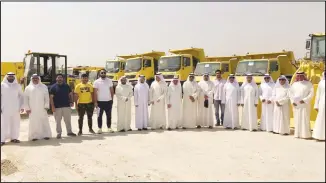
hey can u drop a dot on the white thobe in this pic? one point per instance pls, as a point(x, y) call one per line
point(174, 98)
point(123, 93)
point(281, 119)
point(319, 128)
point(205, 115)
point(249, 97)
point(141, 100)
point(301, 90)
point(11, 103)
point(157, 95)
point(266, 119)
point(36, 99)
point(189, 108)
point(231, 99)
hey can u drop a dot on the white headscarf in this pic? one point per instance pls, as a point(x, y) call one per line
point(5, 80)
point(323, 76)
point(127, 83)
point(191, 74)
point(253, 82)
point(278, 84)
point(235, 82)
point(172, 85)
point(202, 79)
point(139, 83)
point(31, 81)
point(270, 80)
point(161, 77)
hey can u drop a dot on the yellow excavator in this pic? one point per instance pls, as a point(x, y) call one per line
point(313, 65)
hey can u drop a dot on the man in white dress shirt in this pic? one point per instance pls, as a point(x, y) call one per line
point(218, 92)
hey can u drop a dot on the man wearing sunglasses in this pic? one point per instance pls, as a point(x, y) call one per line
point(103, 99)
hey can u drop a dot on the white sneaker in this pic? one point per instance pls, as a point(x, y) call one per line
point(99, 131)
point(110, 130)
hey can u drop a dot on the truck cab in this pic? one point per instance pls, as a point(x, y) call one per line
point(46, 65)
point(115, 69)
point(142, 64)
point(275, 64)
point(181, 63)
point(227, 65)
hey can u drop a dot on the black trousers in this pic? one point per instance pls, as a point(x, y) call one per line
point(104, 106)
point(88, 109)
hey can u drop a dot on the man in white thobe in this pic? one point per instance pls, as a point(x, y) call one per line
point(219, 85)
point(281, 102)
point(265, 95)
point(124, 93)
point(231, 100)
point(141, 101)
point(249, 100)
point(174, 101)
point(157, 94)
point(205, 113)
point(37, 103)
point(301, 93)
point(319, 128)
point(190, 102)
point(11, 106)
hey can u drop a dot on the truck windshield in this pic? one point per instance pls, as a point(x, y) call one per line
point(318, 48)
point(29, 66)
point(169, 63)
point(257, 68)
point(133, 65)
point(92, 76)
point(209, 68)
point(70, 71)
point(112, 66)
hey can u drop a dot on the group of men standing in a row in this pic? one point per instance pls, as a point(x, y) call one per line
point(193, 108)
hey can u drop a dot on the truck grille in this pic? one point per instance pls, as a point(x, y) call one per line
point(168, 76)
point(130, 76)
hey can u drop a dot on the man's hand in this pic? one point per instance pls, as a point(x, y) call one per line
point(242, 105)
point(238, 104)
point(191, 98)
point(53, 109)
point(29, 111)
point(301, 102)
point(126, 100)
point(21, 110)
point(158, 100)
point(71, 104)
point(137, 105)
point(206, 97)
point(152, 103)
point(316, 109)
point(169, 105)
point(269, 102)
point(294, 104)
point(278, 104)
point(263, 100)
point(256, 105)
point(95, 104)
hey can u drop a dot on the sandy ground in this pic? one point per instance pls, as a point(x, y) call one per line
point(181, 155)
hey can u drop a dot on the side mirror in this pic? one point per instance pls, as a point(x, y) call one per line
point(308, 44)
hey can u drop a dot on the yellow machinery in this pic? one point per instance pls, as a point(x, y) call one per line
point(275, 64)
point(226, 64)
point(15, 67)
point(115, 69)
point(92, 72)
point(313, 65)
point(181, 63)
point(142, 64)
point(46, 65)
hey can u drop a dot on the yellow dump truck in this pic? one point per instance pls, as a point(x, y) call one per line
point(15, 67)
point(142, 64)
point(181, 63)
point(226, 64)
point(115, 69)
point(313, 65)
point(275, 64)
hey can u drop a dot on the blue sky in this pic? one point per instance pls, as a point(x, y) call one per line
point(90, 33)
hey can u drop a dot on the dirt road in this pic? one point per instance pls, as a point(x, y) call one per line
point(191, 155)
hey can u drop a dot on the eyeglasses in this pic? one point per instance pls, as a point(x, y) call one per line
point(103, 72)
point(282, 79)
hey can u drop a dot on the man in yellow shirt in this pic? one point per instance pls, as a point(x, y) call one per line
point(84, 97)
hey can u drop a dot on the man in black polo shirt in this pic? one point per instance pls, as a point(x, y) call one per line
point(61, 99)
